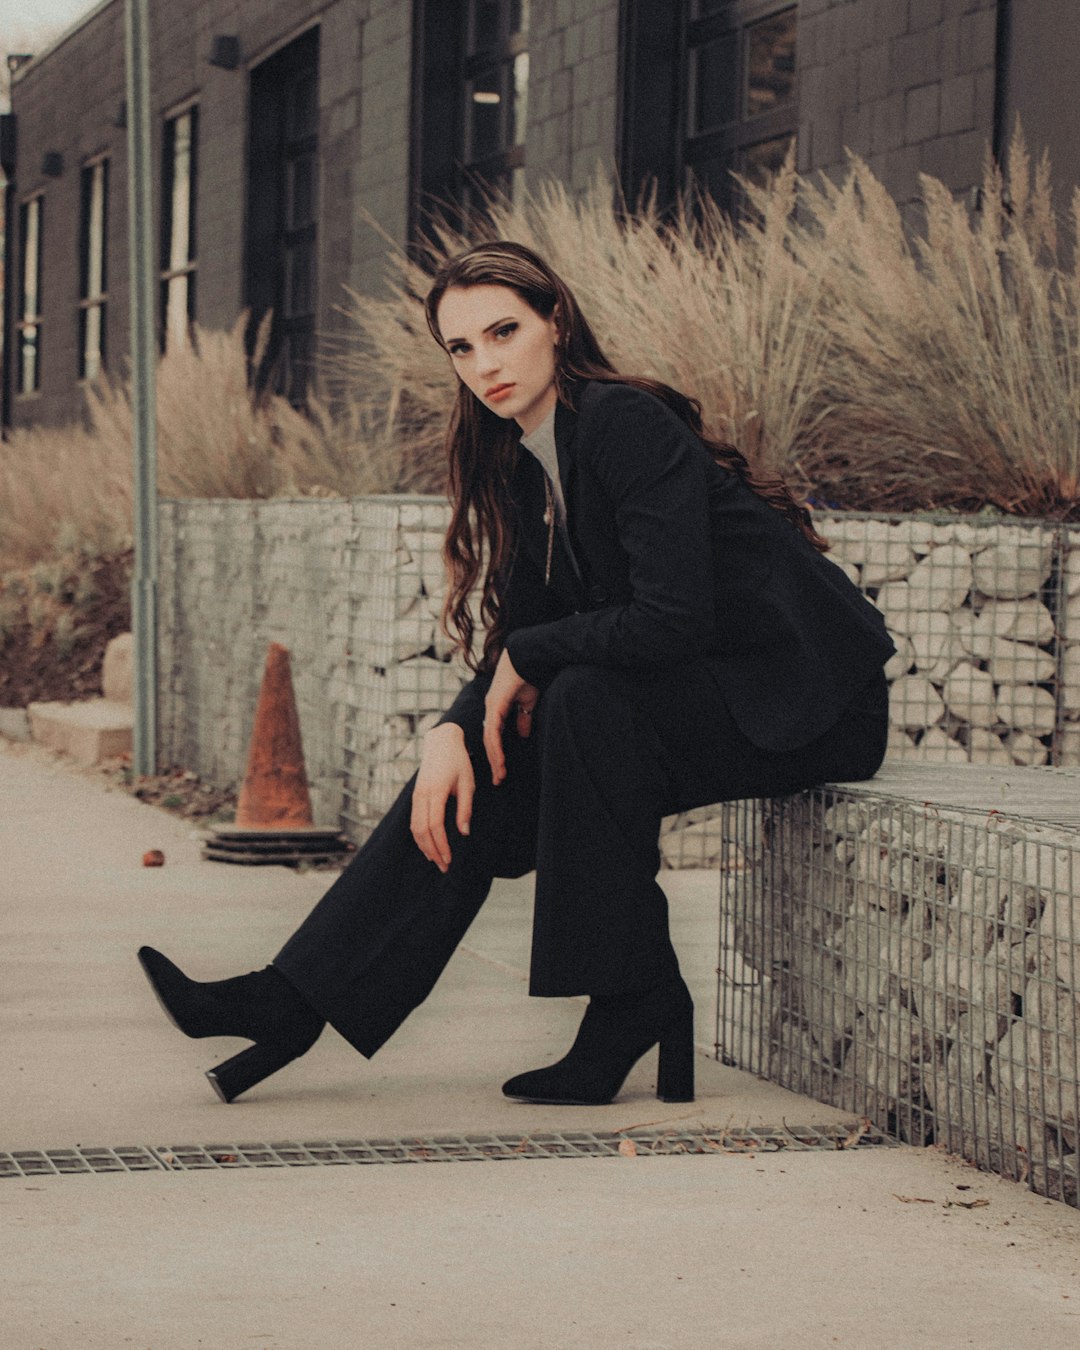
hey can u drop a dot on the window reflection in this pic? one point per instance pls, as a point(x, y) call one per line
point(770, 63)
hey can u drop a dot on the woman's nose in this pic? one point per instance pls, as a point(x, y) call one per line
point(487, 363)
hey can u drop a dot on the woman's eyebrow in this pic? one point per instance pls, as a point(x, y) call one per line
point(497, 324)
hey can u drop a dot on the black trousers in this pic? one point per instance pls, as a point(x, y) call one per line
point(611, 753)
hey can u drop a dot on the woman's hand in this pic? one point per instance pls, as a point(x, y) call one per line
point(445, 771)
point(508, 691)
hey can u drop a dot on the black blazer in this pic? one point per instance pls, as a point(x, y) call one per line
point(679, 561)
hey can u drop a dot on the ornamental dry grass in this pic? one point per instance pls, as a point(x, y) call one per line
point(726, 314)
point(873, 364)
point(71, 487)
point(953, 376)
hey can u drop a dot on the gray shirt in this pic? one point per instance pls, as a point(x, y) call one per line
point(541, 445)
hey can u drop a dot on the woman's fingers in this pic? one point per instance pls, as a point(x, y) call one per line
point(465, 790)
point(445, 771)
point(493, 746)
point(429, 829)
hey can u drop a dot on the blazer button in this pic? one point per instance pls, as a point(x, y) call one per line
point(598, 595)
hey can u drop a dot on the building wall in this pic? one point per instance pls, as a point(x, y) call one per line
point(363, 93)
point(573, 90)
point(84, 73)
point(908, 85)
point(1042, 75)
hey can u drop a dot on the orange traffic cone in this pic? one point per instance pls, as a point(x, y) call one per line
point(273, 813)
point(274, 794)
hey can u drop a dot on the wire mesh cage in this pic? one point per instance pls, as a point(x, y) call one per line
point(917, 963)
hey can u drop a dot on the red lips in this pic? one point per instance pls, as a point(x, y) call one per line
point(498, 392)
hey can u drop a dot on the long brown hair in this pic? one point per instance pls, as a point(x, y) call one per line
point(481, 446)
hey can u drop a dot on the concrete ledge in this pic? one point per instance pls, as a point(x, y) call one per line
point(89, 732)
point(14, 724)
point(909, 949)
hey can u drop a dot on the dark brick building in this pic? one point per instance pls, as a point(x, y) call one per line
point(280, 123)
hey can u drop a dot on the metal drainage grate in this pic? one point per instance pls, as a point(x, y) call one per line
point(438, 1148)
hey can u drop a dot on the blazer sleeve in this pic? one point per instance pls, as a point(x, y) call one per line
point(654, 472)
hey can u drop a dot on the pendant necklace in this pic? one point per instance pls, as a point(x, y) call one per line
point(549, 521)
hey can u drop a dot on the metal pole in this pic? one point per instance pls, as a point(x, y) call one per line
point(143, 370)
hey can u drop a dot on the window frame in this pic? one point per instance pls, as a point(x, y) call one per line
point(495, 170)
point(93, 299)
point(744, 131)
point(27, 322)
point(170, 269)
point(657, 144)
point(447, 179)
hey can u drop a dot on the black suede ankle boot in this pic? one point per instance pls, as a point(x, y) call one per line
point(614, 1034)
point(261, 1006)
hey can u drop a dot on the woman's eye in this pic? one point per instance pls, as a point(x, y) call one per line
point(457, 348)
point(506, 330)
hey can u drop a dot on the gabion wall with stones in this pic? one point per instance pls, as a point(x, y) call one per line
point(981, 613)
point(913, 963)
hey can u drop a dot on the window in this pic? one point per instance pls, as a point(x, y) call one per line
point(28, 325)
point(740, 94)
point(709, 88)
point(93, 280)
point(496, 91)
point(283, 185)
point(178, 243)
point(471, 105)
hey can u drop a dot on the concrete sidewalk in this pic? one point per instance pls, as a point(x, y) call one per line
point(860, 1248)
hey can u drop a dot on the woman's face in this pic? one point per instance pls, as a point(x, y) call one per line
point(502, 350)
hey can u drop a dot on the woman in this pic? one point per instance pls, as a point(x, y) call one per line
point(662, 631)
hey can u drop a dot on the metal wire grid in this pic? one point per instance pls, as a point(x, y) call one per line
point(917, 965)
point(978, 610)
point(438, 1148)
point(402, 674)
point(981, 612)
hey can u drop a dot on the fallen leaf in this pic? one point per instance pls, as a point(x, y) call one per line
point(153, 858)
point(862, 1128)
point(914, 1199)
point(628, 1148)
point(969, 1204)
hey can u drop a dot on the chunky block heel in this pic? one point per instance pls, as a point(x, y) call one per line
point(675, 1063)
point(262, 1007)
point(614, 1034)
point(243, 1071)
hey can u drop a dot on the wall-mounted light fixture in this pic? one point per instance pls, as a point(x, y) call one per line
point(225, 52)
point(52, 164)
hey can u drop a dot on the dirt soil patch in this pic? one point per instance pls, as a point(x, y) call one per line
point(179, 791)
point(56, 620)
